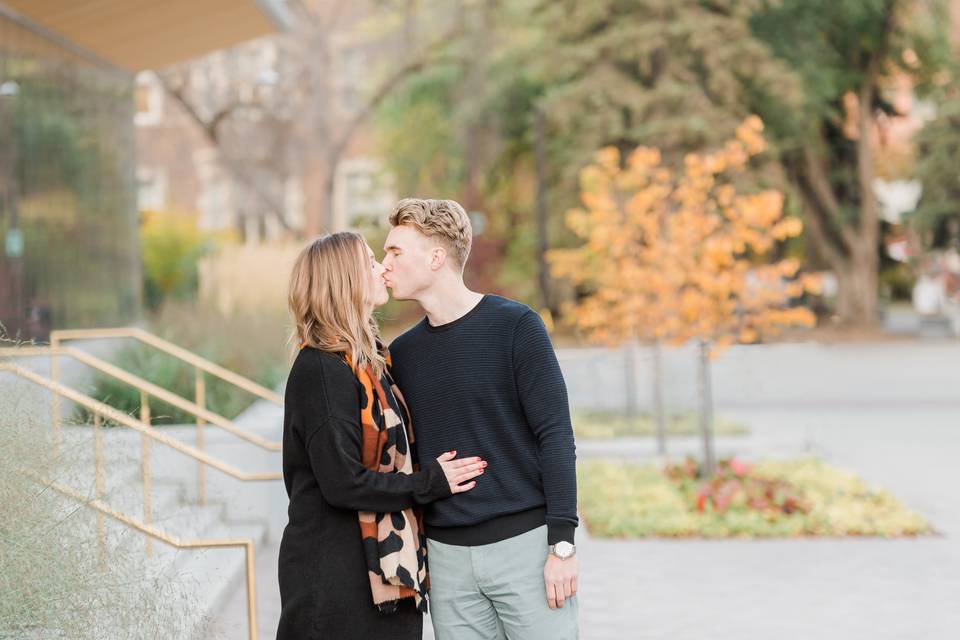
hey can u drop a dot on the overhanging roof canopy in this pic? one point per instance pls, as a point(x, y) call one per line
point(149, 34)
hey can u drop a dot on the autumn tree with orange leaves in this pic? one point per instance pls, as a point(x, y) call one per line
point(678, 256)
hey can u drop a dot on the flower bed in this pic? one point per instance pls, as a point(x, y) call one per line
point(770, 499)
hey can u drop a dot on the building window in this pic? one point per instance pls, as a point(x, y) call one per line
point(148, 99)
point(151, 189)
point(352, 74)
point(364, 194)
point(215, 197)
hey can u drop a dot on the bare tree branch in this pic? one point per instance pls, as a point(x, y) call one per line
point(389, 85)
point(211, 130)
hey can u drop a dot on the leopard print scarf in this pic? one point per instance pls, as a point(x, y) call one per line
point(394, 544)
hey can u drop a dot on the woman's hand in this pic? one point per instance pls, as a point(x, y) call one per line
point(458, 471)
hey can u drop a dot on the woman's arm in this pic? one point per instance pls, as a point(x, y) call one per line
point(334, 450)
point(324, 396)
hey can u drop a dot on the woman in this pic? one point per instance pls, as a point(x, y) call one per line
point(353, 556)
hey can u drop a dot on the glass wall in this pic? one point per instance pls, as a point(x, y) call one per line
point(69, 248)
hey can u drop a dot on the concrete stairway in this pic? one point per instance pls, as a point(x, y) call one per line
point(234, 509)
point(205, 578)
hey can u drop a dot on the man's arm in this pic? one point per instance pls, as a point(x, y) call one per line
point(543, 395)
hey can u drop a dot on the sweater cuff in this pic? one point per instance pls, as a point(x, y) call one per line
point(437, 485)
point(560, 530)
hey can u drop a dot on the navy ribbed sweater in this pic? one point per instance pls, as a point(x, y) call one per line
point(488, 384)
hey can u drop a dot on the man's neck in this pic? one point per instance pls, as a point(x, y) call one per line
point(446, 302)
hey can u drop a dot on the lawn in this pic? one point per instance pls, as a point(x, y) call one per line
point(611, 424)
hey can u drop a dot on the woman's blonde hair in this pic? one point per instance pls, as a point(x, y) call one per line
point(328, 299)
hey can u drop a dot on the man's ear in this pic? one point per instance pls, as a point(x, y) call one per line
point(438, 257)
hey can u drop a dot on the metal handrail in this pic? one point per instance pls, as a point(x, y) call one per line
point(197, 408)
point(98, 408)
point(169, 397)
point(148, 433)
point(173, 541)
point(171, 349)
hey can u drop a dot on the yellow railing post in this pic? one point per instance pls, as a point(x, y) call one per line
point(98, 475)
point(201, 401)
point(55, 401)
point(145, 419)
point(251, 594)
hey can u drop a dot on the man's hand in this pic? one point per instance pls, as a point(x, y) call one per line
point(560, 579)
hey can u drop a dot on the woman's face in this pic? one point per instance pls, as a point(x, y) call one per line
point(377, 288)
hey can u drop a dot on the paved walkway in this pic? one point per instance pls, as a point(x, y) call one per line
point(779, 376)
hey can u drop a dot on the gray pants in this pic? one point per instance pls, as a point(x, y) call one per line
point(496, 592)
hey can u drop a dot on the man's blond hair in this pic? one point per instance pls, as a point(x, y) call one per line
point(444, 220)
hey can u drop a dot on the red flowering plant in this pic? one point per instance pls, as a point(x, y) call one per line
point(735, 485)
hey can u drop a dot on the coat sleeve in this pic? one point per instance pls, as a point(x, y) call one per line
point(334, 451)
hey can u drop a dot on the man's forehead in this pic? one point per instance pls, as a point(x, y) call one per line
point(400, 236)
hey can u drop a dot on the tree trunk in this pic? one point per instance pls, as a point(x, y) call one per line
point(860, 298)
point(857, 290)
point(706, 409)
point(658, 414)
point(472, 85)
point(543, 241)
point(329, 189)
point(849, 246)
point(630, 366)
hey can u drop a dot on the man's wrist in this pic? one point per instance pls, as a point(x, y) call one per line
point(560, 531)
point(563, 550)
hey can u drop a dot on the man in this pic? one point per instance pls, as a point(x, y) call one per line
point(480, 376)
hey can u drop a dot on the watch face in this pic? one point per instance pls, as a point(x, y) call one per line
point(563, 548)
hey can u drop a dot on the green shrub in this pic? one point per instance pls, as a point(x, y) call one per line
point(171, 244)
point(896, 282)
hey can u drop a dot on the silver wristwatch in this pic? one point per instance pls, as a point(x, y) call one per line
point(563, 550)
